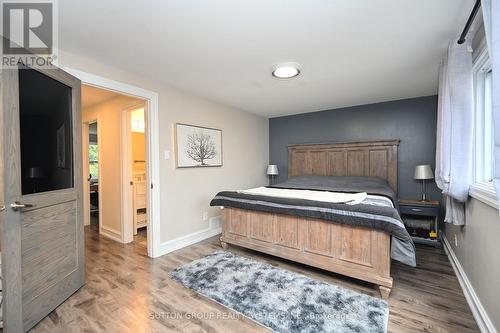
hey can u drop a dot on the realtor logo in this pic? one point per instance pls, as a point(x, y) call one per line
point(27, 27)
point(29, 32)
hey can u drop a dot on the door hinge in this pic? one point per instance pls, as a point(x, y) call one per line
point(151, 185)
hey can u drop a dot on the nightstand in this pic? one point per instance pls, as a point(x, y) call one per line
point(421, 219)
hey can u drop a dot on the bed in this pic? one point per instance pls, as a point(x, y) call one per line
point(341, 237)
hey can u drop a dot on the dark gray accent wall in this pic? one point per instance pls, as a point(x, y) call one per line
point(413, 121)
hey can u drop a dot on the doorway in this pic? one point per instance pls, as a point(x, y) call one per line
point(153, 148)
point(116, 204)
point(90, 152)
point(135, 152)
point(93, 180)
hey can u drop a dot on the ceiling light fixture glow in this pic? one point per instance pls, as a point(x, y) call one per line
point(286, 71)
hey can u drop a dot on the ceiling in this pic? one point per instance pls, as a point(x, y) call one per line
point(92, 96)
point(350, 52)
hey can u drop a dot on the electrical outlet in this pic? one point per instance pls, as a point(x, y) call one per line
point(456, 240)
point(205, 216)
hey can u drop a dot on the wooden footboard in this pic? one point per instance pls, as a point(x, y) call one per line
point(357, 252)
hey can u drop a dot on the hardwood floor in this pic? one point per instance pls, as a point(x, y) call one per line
point(142, 238)
point(126, 291)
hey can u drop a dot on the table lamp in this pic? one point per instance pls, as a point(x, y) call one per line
point(272, 172)
point(35, 173)
point(423, 173)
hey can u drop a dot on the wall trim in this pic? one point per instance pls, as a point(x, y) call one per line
point(111, 234)
point(198, 236)
point(478, 311)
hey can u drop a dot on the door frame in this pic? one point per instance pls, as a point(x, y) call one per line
point(85, 161)
point(127, 170)
point(153, 146)
point(85, 168)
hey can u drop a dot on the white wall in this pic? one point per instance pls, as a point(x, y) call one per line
point(186, 193)
point(478, 252)
point(108, 115)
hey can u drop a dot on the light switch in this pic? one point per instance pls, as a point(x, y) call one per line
point(166, 154)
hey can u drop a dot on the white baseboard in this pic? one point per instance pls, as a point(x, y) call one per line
point(111, 234)
point(482, 318)
point(178, 243)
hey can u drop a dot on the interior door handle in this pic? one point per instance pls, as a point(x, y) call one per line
point(17, 205)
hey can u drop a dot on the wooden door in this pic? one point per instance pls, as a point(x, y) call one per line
point(42, 226)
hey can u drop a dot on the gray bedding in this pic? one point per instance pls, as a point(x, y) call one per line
point(370, 185)
point(369, 213)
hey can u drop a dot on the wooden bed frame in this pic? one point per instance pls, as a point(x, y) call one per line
point(357, 252)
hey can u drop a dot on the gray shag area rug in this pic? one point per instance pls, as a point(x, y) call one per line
point(282, 300)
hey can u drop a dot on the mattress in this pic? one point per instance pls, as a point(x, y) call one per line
point(379, 210)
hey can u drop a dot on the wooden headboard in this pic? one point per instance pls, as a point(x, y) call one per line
point(362, 158)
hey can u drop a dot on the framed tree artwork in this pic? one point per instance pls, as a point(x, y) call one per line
point(198, 146)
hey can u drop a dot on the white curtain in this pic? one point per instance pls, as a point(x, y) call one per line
point(455, 130)
point(491, 18)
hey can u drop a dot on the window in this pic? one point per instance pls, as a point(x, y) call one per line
point(46, 135)
point(484, 161)
point(484, 141)
point(93, 162)
point(137, 121)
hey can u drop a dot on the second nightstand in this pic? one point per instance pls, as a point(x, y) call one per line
point(421, 220)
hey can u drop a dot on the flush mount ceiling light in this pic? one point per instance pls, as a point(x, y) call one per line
point(286, 71)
